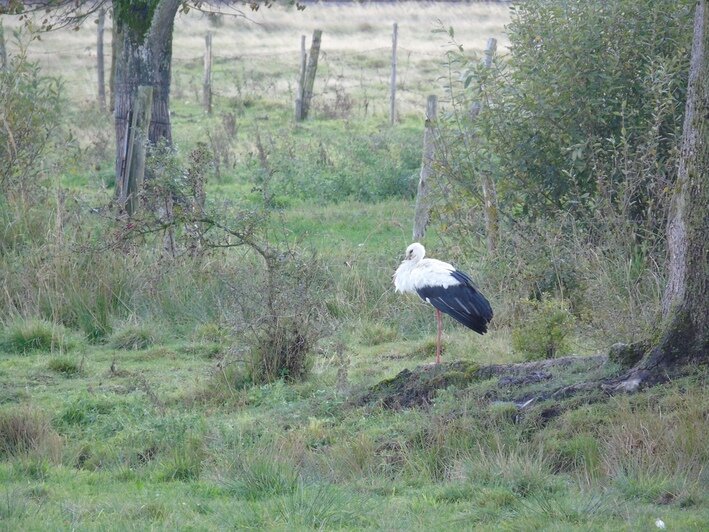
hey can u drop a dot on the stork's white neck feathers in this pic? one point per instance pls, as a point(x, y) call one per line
point(416, 271)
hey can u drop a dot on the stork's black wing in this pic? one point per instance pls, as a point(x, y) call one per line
point(462, 301)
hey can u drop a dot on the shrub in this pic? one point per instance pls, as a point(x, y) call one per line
point(567, 122)
point(280, 327)
point(545, 329)
point(31, 106)
point(26, 335)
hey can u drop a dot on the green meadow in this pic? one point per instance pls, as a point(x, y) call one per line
point(130, 392)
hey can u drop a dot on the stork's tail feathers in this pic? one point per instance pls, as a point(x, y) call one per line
point(463, 302)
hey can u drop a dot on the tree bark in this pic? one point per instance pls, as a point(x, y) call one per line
point(685, 331)
point(143, 57)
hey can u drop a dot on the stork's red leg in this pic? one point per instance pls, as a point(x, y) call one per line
point(438, 336)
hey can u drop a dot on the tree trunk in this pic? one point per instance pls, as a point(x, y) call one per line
point(143, 57)
point(685, 330)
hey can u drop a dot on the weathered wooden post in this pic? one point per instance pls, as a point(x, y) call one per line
point(310, 72)
point(99, 59)
point(421, 214)
point(392, 89)
point(133, 172)
point(3, 52)
point(301, 81)
point(492, 225)
point(115, 44)
point(487, 63)
point(207, 87)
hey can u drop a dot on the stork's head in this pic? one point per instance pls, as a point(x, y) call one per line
point(415, 252)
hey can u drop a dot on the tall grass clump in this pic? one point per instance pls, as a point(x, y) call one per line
point(322, 507)
point(653, 448)
point(524, 471)
point(253, 476)
point(65, 366)
point(23, 336)
point(133, 336)
point(24, 432)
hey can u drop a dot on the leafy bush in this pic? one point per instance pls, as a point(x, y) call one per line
point(30, 106)
point(579, 132)
point(279, 309)
point(588, 108)
point(545, 328)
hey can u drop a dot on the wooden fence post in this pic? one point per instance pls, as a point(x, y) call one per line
point(115, 45)
point(392, 90)
point(421, 214)
point(3, 51)
point(301, 81)
point(133, 173)
point(310, 72)
point(207, 87)
point(99, 60)
point(487, 63)
point(492, 224)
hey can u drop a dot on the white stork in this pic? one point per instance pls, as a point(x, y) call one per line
point(449, 290)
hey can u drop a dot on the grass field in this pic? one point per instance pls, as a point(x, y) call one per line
point(150, 427)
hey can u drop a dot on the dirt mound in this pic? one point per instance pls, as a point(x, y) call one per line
point(418, 387)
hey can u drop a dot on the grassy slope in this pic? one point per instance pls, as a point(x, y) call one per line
point(151, 438)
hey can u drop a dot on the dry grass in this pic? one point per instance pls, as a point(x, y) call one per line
point(356, 47)
point(24, 432)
